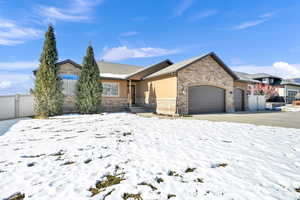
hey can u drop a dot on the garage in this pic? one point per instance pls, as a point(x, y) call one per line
point(238, 99)
point(206, 99)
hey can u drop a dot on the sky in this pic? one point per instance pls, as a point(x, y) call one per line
point(250, 36)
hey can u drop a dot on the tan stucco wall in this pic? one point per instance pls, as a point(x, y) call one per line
point(204, 72)
point(158, 94)
point(243, 86)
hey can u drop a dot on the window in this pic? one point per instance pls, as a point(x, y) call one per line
point(291, 96)
point(110, 89)
point(69, 84)
point(265, 80)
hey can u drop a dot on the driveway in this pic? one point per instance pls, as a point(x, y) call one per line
point(281, 119)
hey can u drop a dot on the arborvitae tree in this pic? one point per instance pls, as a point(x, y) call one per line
point(48, 86)
point(89, 87)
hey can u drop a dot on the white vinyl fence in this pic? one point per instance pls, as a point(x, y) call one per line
point(256, 102)
point(14, 106)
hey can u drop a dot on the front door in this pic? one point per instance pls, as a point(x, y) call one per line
point(132, 94)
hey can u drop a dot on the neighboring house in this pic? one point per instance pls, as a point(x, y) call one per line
point(202, 84)
point(287, 89)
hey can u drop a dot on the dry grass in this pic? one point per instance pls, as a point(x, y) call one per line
point(171, 196)
point(159, 180)
point(199, 180)
point(59, 153)
point(149, 185)
point(16, 196)
point(87, 161)
point(188, 170)
point(68, 163)
point(132, 196)
point(33, 156)
point(109, 180)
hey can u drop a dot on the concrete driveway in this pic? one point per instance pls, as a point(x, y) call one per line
point(281, 119)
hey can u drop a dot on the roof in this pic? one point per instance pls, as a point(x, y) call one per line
point(69, 61)
point(245, 77)
point(109, 69)
point(116, 68)
point(262, 75)
point(151, 69)
point(286, 82)
point(180, 65)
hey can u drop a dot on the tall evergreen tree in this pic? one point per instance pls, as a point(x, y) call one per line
point(48, 86)
point(89, 87)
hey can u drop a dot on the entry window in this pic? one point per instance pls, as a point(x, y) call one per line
point(69, 84)
point(110, 89)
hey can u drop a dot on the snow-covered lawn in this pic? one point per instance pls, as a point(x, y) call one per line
point(63, 157)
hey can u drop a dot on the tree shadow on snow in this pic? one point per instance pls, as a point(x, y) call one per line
point(5, 125)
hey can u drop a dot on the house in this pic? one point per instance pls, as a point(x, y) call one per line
point(202, 84)
point(285, 88)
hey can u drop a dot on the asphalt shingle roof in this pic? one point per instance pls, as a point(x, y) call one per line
point(116, 68)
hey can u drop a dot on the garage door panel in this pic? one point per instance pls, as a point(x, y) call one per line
point(206, 99)
point(238, 99)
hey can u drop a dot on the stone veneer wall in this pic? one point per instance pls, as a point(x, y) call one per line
point(69, 101)
point(243, 86)
point(203, 72)
point(109, 104)
point(114, 104)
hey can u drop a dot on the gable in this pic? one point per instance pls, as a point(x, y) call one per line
point(175, 68)
point(68, 69)
point(207, 69)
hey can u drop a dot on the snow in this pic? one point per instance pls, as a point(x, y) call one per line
point(109, 75)
point(262, 162)
point(290, 108)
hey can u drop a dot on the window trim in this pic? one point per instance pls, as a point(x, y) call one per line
point(118, 86)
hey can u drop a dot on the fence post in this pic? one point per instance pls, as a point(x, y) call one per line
point(17, 105)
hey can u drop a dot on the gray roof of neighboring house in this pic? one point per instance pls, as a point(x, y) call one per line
point(116, 68)
point(180, 65)
point(262, 75)
point(290, 82)
point(245, 77)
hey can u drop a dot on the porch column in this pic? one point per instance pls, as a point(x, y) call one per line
point(130, 100)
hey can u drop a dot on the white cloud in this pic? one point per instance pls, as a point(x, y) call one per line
point(281, 69)
point(249, 24)
point(261, 19)
point(123, 52)
point(5, 84)
point(12, 66)
point(289, 69)
point(53, 14)
point(78, 10)
point(12, 34)
point(204, 14)
point(12, 83)
point(184, 6)
point(129, 33)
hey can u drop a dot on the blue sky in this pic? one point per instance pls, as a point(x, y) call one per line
point(250, 36)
